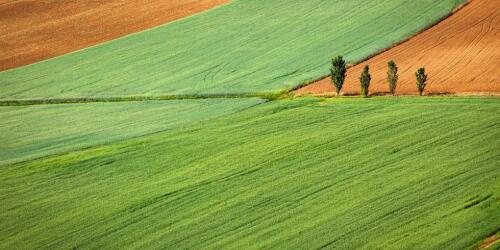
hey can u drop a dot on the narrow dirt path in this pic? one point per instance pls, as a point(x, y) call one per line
point(489, 242)
point(461, 55)
point(34, 30)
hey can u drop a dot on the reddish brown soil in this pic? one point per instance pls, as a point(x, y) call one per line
point(461, 55)
point(34, 30)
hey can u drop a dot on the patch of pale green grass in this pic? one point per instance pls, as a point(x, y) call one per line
point(28, 132)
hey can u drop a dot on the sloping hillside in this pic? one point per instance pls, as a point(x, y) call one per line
point(379, 173)
point(461, 54)
point(34, 30)
point(241, 47)
point(29, 132)
point(152, 141)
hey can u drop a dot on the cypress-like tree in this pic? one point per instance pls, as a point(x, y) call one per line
point(364, 80)
point(421, 80)
point(338, 72)
point(392, 76)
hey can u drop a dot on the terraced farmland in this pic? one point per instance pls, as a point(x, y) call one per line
point(241, 47)
point(29, 132)
point(391, 173)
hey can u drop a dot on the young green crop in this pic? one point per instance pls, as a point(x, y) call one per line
point(28, 132)
point(371, 173)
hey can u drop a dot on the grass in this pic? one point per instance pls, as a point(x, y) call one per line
point(350, 173)
point(245, 46)
point(29, 132)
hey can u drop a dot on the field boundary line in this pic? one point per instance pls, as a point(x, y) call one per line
point(271, 96)
point(27, 102)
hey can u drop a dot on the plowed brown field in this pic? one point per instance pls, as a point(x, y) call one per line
point(34, 30)
point(461, 55)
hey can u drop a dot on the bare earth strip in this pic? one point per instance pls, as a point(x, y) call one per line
point(34, 30)
point(489, 242)
point(461, 55)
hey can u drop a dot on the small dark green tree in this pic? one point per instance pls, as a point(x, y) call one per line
point(364, 80)
point(421, 80)
point(392, 76)
point(338, 72)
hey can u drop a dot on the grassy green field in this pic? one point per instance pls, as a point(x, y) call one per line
point(377, 173)
point(245, 46)
point(244, 173)
point(29, 132)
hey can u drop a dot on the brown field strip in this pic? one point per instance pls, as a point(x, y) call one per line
point(461, 55)
point(34, 30)
point(489, 242)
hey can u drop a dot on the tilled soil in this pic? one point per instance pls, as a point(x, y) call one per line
point(35, 30)
point(461, 55)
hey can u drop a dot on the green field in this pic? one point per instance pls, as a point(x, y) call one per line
point(29, 132)
point(376, 173)
point(246, 46)
point(118, 166)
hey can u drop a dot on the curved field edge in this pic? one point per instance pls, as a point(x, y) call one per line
point(30, 132)
point(33, 31)
point(241, 47)
point(451, 51)
point(390, 173)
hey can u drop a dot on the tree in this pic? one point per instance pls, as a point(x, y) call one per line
point(365, 81)
point(421, 80)
point(338, 72)
point(392, 76)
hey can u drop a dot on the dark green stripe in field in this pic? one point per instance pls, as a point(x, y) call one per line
point(245, 46)
point(37, 131)
point(378, 173)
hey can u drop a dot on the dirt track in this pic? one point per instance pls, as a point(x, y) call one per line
point(489, 242)
point(461, 55)
point(34, 30)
